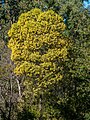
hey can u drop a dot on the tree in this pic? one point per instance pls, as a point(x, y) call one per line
point(77, 22)
point(38, 51)
point(8, 14)
point(8, 85)
point(26, 5)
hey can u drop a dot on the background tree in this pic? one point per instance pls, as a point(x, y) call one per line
point(8, 85)
point(8, 81)
point(77, 22)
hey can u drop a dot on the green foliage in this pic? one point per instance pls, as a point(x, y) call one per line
point(26, 5)
point(78, 29)
point(26, 115)
point(87, 116)
point(8, 14)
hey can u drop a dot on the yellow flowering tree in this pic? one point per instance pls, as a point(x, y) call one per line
point(38, 50)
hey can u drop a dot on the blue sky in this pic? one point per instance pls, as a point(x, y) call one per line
point(86, 4)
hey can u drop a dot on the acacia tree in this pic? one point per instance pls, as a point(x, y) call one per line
point(39, 51)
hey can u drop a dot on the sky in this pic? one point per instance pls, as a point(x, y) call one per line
point(86, 3)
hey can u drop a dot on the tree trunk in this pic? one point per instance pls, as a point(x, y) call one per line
point(19, 88)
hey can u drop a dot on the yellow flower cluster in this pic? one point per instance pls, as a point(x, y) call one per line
point(38, 47)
